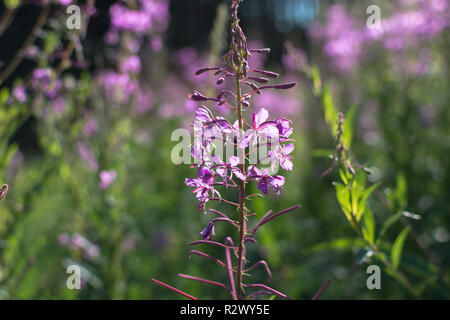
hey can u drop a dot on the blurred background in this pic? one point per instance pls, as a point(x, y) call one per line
point(86, 118)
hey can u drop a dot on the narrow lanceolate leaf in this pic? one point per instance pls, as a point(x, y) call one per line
point(363, 200)
point(343, 197)
point(388, 223)
point(349, 125)
point(397, 248)
point(368, 228)
point(329, 109)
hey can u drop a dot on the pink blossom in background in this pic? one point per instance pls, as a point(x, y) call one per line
point(278, 103)
point(88, 156)
point(107, 178)
point(125, 19)
point(63, 239)
point(59, 104)
point(291, 63)
point(346, 43)
point(131, 64)
point(90, 128)
point(144, 100)
point(118, 87)
point(156, 43)
point(20, 94)
point(111, 37)
point(65, 2)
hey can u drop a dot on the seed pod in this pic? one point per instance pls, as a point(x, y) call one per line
point(269, 74)
point(261, 51)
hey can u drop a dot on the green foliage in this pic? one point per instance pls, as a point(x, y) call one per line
point(397, 248)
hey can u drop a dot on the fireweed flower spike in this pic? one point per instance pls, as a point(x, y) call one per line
point(258, 135)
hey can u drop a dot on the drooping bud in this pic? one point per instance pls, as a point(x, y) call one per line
point(203, 70)
point(269, 74)
point(285, 86)
point(259, 79)
point(208, 232)
point(197, 96)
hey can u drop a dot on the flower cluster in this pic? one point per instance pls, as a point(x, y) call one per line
point(346, 42)
point(266, 141)
point(255, 148)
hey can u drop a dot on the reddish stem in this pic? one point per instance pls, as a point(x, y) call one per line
point(174, 289)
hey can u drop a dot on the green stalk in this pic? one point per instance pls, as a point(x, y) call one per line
point(242, 221)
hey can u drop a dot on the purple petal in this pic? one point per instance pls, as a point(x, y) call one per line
point(260, 117)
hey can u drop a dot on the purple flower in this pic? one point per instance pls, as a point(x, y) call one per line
point(266, 181)
point(259, 127)
point(284, 127)
point(87, 155)
point(41, 79)
point(19, 94)
point(208, 232)
point(106, 178)
point(63, 239)
point(131, 64)
point(205, 175)
point(59, 104)
point(125, 19)
point(90, 128)
point(281, 155)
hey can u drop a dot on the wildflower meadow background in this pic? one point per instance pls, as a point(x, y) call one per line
point(92, 91)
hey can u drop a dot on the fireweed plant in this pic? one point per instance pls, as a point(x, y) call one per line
point(353, 195)
point(268, 138)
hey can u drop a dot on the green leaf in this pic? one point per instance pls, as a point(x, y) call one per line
point(343, 244)
point(329, 109)
point(388, 223)
point(4, 95)
point(11, 4)
point(344, 177)
point(363, 200)
point(317, 81)
point(343, 197)
point(398, 198)
point(368, 228)
point(397, 248)
point(349, 125)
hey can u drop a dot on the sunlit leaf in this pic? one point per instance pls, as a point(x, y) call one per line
point(388, 223)
point(349, 125)
point(368, 228)
point(397, 248)
point(329, 109)
point(343, 197)
point(363, 200)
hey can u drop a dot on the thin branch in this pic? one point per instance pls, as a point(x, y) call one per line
point(174, 289)
point(324, 287)
point(213, 283)
point(230, 274)
point(266, 267)
point(207, 256)
point(266, 218)
point(214, 243)
point(263, 286)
